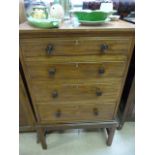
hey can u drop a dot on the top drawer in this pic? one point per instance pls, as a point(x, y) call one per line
point(48, 47)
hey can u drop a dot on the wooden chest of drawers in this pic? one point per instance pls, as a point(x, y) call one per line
point(76, 75)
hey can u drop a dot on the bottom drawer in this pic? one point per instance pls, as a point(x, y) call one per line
point(79, 113)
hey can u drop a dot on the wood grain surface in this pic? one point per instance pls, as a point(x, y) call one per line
point(75, 113)
point(75, 46)
point(77, 93)
point(48, 71)
point(76, 59)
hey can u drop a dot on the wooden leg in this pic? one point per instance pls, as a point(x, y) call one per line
point(111, 132)
point(38, 138)
point(41, 137)
point(120, 126)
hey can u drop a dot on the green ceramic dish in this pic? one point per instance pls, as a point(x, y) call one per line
point(43, 23)
point(89, 15)
point(99, 22)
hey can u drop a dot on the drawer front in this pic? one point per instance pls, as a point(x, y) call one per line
point(48, 47)
point(57, 72)
point(71, 94)
point(81, 113)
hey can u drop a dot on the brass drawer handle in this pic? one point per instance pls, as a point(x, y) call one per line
point(55, 94)
point(101, 71)
point(52, 71)
point(104, 48)
point(95, 111)
point(58, 113)
point(49, 49)
point(99, 92)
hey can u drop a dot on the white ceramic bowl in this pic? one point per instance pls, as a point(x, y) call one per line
point(114, 17)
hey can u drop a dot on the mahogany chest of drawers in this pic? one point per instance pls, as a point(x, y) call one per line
point(75, 75)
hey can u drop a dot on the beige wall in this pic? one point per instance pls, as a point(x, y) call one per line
point(22, 16)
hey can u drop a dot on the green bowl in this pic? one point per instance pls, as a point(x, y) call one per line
point(43, 23)
point(89, 15)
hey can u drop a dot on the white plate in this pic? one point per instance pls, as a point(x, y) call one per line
point(114, 17)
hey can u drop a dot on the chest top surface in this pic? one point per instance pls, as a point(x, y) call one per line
point(66, 27)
